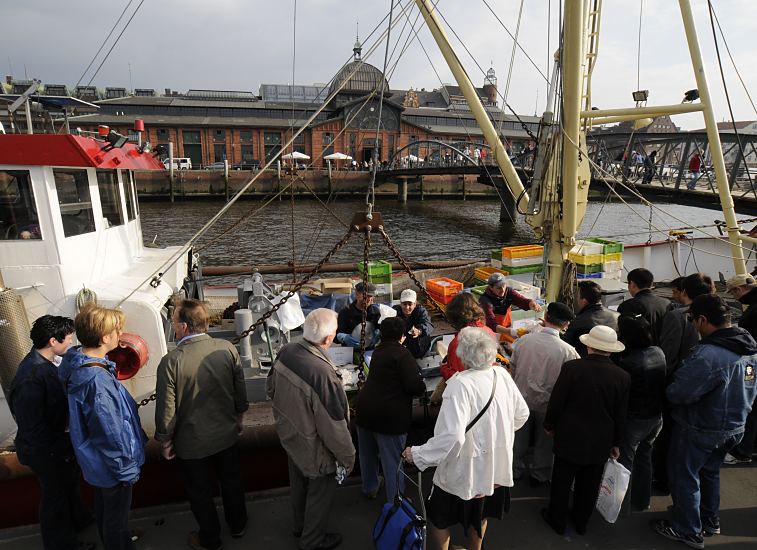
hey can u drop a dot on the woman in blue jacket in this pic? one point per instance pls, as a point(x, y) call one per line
point(105, 430)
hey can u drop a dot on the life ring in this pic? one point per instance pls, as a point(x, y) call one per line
point(131, 355)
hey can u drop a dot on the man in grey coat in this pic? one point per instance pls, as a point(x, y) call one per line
point(312, 419)
point(200, 399)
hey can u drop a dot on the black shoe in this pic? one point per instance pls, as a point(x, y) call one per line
point(238, 534)
point(84, 545)
point(711, 526)
point(193, 540)
point(329, 541)
point(545, 517)
point(663, 527)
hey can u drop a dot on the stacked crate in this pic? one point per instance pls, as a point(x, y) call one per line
point(482, 274)
point(442, 290)
point(597, 258)
point(513, 260)
point(380, 274)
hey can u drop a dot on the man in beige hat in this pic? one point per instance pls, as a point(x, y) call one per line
point(586, 416)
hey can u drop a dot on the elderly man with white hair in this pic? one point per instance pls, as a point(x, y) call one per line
point(312, 419)
point(472, 446)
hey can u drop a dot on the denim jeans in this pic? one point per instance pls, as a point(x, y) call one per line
point(387, 449)
point(636, 456)
point(112, 506)
point(694, 463)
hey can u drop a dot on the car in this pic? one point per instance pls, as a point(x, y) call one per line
point(178, 163)
point(216, 166)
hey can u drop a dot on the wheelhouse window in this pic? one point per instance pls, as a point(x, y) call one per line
point(74, 202)
point(18, 211)
point(110, 197)
point(132, 208)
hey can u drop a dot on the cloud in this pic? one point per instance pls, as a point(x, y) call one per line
point(235, 44)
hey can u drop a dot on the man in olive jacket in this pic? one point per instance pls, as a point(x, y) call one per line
point(200, 399)
point(312, 419)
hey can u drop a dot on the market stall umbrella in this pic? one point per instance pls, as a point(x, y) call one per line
point(337, 156)
point(296, 156)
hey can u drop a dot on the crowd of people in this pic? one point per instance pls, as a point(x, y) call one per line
point(665, 388)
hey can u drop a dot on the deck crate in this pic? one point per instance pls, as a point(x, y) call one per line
point(585, 259)
point(612, 265)
point(586, 247)
point(580, 276)
point(483, 273)
point(608, 247)
point(529, 291)
point(379, 271)
point(523, 269)
point(590, 268)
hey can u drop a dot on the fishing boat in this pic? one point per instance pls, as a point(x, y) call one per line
point(70, 233)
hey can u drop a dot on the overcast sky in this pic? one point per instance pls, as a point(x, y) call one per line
point(240, 44)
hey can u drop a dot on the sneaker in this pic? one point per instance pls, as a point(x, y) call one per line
point(730, 460)
point(663, 527)
point(711, 526)
point(193, 540)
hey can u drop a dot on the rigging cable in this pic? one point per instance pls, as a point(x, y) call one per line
point(158, 272)
point(728, 101)
point(113, 28)
point(126, 26)
point(294, 160)
point(370, 197)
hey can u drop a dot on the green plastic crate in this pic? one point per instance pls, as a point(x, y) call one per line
point(523, 269)
point(376, 268)
point(590, 268)
point(380, 279)
point(609, 247)
point(478, 289)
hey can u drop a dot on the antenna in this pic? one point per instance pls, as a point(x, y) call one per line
point(131, 86)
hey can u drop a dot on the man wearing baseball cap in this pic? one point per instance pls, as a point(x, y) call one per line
point(351, 316)
point(497, 300)
point(418, 326)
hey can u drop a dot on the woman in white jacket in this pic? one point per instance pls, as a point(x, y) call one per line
point(472, 446)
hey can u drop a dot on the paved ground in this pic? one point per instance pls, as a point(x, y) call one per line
point(166, 527)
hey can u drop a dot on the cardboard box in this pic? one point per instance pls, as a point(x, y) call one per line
point(336, 285)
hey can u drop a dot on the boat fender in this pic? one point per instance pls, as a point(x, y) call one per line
point(131, 355)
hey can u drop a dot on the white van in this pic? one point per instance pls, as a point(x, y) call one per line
point(178, 164)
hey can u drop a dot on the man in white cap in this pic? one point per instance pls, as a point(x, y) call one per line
point(586, 416)
point(418, 326)
point(497, 300)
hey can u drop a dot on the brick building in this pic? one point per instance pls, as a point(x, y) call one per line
point(247, 129)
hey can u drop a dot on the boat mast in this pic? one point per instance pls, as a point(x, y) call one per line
point(713, 137)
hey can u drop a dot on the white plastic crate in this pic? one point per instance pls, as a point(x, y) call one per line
point(521, 262)
point(611, 267)
point(529, 291)
point(615, 275)
point(585, 248)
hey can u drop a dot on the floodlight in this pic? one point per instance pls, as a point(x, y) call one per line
point(640, 95)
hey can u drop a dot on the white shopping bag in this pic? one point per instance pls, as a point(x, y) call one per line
point(612, 490)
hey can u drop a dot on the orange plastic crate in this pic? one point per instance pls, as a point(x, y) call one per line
point(483, 273)
point(522, 251)
point(443, 287)
point(442, 300)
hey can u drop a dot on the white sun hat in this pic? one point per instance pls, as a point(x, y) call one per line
point(602, 338)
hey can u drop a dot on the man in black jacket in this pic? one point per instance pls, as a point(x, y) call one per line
point(742, 287)
point(591, 314)
point(351, 316)
point(39, 405)
point(418, 326)
point(586, 416)
point(643, 301)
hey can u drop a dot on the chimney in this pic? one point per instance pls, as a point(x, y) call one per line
point(9, 79)
point(168, 91)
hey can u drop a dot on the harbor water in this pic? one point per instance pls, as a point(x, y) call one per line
point(422, 230)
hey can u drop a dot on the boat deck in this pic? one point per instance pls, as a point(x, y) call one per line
point(166, 527)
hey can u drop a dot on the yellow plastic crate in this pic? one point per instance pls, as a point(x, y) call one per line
point(522, 251)
point(483, 273)
point(585, 259)
point(614, 257)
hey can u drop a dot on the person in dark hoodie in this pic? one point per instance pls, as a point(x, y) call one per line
point(712, 392)
point(418, 326)
point(38, 403)
point(105, 430)
point(591, 314)
point(742, 287)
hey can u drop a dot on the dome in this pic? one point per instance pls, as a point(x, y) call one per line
point(364, 81)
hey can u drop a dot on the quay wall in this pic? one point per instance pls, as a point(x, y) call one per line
point(205, 184)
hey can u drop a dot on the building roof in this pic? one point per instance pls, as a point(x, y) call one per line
point(184, 120)
point(365, 79)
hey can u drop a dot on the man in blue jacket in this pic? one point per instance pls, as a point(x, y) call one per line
point(38, 404)
point(711, 394)
point(105, 430)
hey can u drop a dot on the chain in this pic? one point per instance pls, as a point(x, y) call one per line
point(409, 271)
point(147, 400)
point(366, 255)
point(295, 289)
